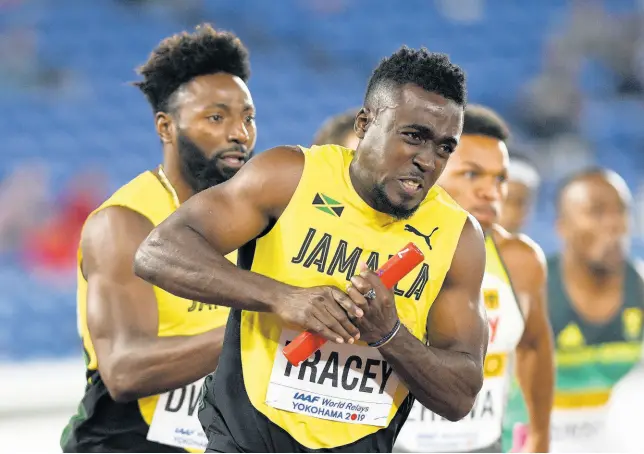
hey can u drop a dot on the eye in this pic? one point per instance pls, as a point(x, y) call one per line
point(502, 178)
point(470, 174)
point(250, 118)
point(412, 138)
point(446, 148)
point(215, 118)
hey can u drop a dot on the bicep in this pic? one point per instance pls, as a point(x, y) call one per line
point(457, 319)
point(235, 212)
point(120, 306)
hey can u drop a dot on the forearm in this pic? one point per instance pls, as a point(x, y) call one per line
point(180, 261)
point(535, 372)
point(444, 382)
point(147, 367)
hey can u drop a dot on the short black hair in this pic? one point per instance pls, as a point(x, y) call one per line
point(184, 56)
point(483, 121)
point(336, 128)
point(429, 70)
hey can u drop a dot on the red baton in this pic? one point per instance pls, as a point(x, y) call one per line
point(397, 267)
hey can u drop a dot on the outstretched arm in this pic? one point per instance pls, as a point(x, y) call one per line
point(185, 254)
point(446, 375)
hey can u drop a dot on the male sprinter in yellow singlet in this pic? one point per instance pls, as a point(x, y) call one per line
point(305, 219)
point(140, 341)
point(514, 289)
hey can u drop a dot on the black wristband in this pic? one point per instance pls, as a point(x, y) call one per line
point(388, 337)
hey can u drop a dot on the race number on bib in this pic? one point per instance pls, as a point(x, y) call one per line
point(175, 421)
point(425, 431)
point(341, 382)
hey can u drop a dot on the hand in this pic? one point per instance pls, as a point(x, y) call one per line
point(322, 310)
point(380, 314)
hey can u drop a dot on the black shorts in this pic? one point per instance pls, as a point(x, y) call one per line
point(233, 424)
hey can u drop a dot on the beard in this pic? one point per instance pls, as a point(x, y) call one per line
point(199, 171)
point(384, 205)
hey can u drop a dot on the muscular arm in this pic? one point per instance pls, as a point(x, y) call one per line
point(185, 254)
point(535, 352)
point(446, 376)
point(122, 315)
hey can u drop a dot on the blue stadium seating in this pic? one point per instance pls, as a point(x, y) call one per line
point(305, 67)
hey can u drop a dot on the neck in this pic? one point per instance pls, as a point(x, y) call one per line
point(359, 187)
point(173, 173)
point(582, 275)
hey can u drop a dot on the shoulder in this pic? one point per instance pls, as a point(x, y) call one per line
point(522, 256)
point(274, 162)
point(111, 236)
point(472, 231)
point(289, 155)
point(266, 182)
point(469, 257)
point(114, 220)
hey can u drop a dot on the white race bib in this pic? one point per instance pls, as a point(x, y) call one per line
point(425, 431)
point(578, 430)
point(341, 382)
point(175, 421)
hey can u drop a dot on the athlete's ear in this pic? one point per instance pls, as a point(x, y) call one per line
point(362, 122)
point(164, 126)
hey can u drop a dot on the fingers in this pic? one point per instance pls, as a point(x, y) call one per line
point(360, 284)
point(336, 323)
point(340, 321)
point(367, 280)
point(347, 303)
point(357, 297)
point(318, 327)
point(342, 309)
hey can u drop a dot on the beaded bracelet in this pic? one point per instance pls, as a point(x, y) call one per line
point(385, 340)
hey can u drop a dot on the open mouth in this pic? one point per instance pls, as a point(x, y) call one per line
point(235, 159)
point(411, 185)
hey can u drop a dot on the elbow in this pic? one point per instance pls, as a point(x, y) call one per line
point(121, 394)
point(145, 263)
point(122, 385)
point(459, 408)
point(464, 398)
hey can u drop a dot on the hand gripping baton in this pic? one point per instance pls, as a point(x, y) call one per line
point(397, 267)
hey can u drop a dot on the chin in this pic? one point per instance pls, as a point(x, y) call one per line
point(401, 211)
point(226, 173)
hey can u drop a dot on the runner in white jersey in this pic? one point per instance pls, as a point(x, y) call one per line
point(514, 295)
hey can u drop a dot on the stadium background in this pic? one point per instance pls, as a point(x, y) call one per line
point(568, 75)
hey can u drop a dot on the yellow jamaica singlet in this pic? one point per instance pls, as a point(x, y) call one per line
point(165, 423)
point(345, 394)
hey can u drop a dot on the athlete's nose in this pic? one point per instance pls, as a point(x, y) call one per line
point(425, 161)
point(489, 191)
point(239, 133)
